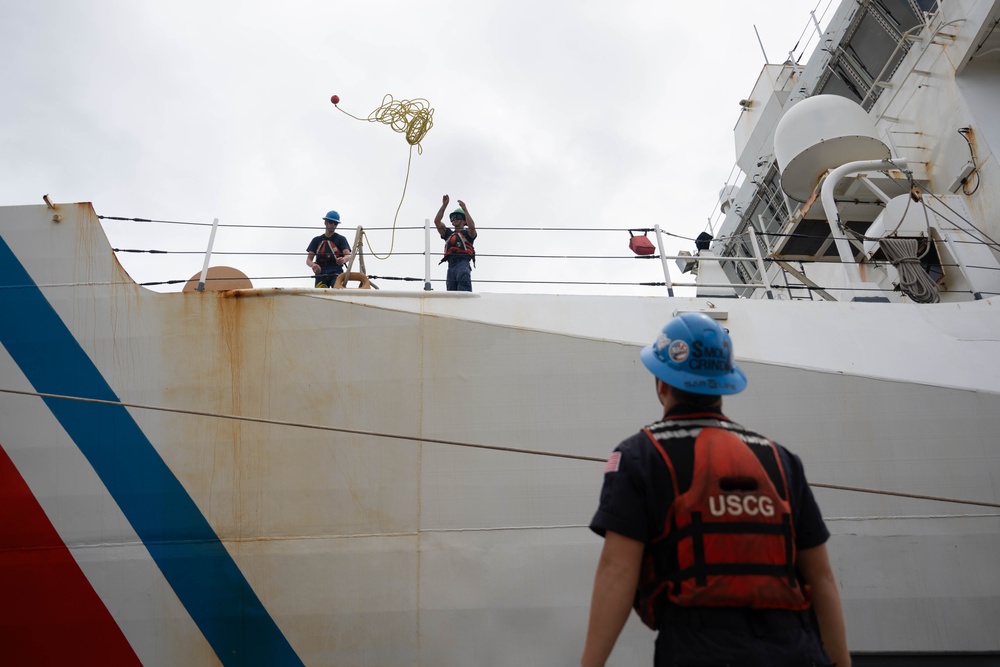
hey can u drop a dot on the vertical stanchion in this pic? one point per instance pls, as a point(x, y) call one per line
point(760, 262)
point(663, 261)
point(427, 254)
point(208, 256)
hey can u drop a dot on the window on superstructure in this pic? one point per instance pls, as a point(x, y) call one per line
point(872, 49)
point(906, 14)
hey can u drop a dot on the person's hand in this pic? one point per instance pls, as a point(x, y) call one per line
point(444, 201)
point(462, 204)
point(315, 267)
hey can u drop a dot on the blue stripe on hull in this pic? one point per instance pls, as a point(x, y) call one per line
point(179, 538)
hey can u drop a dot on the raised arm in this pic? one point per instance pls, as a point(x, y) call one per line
point(468, 220)
point(440, 215)
point(614, 590)
point(814, 564)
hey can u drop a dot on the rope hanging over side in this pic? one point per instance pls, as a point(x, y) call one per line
point(411, 118)
point(392, 237)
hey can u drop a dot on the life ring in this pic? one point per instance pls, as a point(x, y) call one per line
point(343, 278)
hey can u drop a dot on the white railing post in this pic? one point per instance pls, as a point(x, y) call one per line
point(427, 254)
point(760, 262)
point(663, 260)
point(208, 256)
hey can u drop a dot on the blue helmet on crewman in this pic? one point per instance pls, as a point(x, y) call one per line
point(693, 353)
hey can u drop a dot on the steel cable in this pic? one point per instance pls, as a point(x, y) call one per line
point(439, 441)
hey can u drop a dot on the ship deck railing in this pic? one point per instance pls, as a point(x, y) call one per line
point(167, 260)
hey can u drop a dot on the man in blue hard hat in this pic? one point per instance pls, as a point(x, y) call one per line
point(710, 530)
point(458, 245)
point(328, 252)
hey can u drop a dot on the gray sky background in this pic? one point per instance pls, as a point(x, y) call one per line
point(553, 114)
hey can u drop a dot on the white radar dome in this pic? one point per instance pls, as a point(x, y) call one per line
point(821, 133)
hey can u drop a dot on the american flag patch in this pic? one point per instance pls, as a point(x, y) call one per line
point(613, 461)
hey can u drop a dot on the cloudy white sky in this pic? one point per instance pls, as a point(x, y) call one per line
point(547, 114)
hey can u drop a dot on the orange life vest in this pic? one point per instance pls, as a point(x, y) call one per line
point(327, 252)
point(458, 244)
point(729, 536)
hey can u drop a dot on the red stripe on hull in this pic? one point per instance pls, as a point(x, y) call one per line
point(49, 612)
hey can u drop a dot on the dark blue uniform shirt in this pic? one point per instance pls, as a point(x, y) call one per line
point(634, 502)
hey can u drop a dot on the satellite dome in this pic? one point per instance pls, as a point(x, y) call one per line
point(821, 133)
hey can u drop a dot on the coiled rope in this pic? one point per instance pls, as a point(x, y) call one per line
point(901, 252)
point(438, 441)
point(411, 118)
point(913, 280)
point(414, 118)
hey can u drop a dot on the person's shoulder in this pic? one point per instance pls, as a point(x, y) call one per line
point(789, 458)
point(636, 444)
point(748, 434)
point(628, 455)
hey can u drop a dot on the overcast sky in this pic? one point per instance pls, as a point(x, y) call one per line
point(551, 113)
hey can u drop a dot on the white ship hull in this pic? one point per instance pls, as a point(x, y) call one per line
point(305, 429)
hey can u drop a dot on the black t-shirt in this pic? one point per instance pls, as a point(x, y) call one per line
point(339, 241)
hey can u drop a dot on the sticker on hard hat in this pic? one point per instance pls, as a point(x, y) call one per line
point(678, 351)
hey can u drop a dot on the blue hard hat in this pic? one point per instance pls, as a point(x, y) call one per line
point(693, 353)
point(332, 216)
